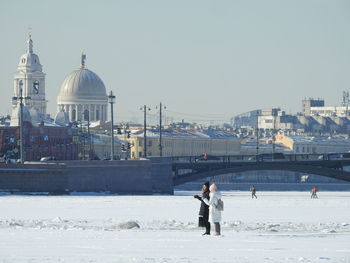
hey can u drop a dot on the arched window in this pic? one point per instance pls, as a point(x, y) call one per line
point(74, 115)
point(20, 87)
point(86, 115)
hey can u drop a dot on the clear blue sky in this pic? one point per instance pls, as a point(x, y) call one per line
point(208, 59)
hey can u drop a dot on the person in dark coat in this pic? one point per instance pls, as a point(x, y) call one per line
point(204, 209)
point(253, 190)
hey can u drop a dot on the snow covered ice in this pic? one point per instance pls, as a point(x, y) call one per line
point(276, 227)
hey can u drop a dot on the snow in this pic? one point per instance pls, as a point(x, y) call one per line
point(276, 227)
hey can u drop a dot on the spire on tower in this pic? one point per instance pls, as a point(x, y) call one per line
point(30, 41)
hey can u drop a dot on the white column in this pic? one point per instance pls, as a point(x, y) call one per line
point(93, 115)
point(89, 109)
point(105, 110)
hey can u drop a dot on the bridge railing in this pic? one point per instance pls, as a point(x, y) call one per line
point(261, 158)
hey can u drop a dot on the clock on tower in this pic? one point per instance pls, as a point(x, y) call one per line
point(36, 87)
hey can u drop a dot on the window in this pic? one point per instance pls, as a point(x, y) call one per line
point(149, 143)
point(140, 143)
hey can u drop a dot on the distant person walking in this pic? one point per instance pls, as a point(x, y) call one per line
point(253, 190)
point(314, 191)
point(203, 215)
point(215, 207)
point(205, 156)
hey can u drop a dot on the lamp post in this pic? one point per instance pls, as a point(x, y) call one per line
point(20, 99)
point(257, 133)
point(111, 100)
point(274, 114)
point(87, 118)
point(82, 136)
point(144, 109)
point(160, 129)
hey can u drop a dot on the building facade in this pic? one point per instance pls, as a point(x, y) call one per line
point(314, 144)
point(309, 103)
point(62, 143)
point(29, 82)
point(184, 143)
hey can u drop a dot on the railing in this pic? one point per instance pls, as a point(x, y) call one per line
point(260, 158)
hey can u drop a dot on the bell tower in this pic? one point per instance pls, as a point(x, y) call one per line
point(30, 77)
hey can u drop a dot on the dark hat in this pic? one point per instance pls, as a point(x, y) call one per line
point(207, 184)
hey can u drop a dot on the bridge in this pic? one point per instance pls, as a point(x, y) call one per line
point(190, 168)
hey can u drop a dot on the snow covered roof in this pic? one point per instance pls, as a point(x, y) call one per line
point(183, 133)
point(320, 139)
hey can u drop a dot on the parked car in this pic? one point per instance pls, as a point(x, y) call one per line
point(47, 158)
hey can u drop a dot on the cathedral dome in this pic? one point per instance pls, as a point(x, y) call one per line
point(82, 84)
point(83, 95)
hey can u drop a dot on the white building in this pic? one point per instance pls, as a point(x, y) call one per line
point(330, 111)
point(29, 82)
point(314, 144)
point(83, 95)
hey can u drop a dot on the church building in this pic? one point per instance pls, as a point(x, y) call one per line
point(29, 82)
point(83, 95)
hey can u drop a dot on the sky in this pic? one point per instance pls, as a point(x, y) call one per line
point(206, 61)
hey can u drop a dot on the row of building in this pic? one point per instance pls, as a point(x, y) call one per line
point(314, 120)
point(80, 128)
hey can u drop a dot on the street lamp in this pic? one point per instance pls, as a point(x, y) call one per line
point(111, 100)
point(144, 109)
point(257, 133)
point(87, 118)
point(160, 128)
point(274, 114)
point(20, 99)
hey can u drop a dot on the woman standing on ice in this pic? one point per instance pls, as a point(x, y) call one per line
point(215, 207)
point(204, 209)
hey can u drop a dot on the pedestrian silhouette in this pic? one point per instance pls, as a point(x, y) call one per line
point(253, 190)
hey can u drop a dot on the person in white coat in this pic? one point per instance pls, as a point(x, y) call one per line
point(214, 213)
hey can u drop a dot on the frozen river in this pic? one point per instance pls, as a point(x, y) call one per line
point(277, 227)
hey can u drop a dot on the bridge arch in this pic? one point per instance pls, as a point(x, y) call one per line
point(334, 172)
